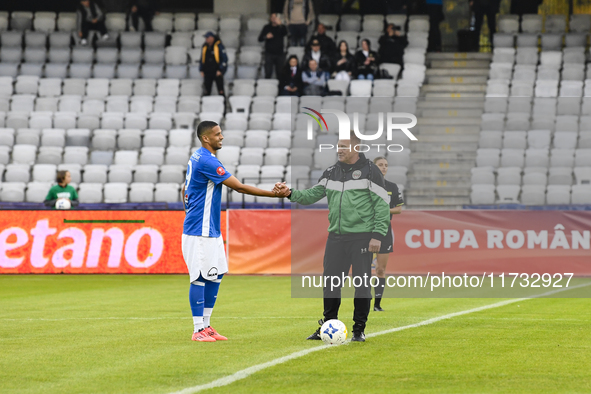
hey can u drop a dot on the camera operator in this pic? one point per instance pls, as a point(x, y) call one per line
point(392, 45)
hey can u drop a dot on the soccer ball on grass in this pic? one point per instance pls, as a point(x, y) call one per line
point(333, 332)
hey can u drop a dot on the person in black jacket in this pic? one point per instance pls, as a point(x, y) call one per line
point(213, 64)
point(272, 34)
point(343, 63)
point(366, 61)
point(90, 17)
point(315, 52)
point(291, 79)
point(145, 9)
point(327, 44)
point(392, 45)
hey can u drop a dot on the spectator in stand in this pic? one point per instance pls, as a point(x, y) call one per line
point(315, 80)
point(213, 64)
point(291, 80)
point(315, 52)
point(327, 44)
point(90, 17)
point(366, 61)
point(298, 15)
point(63, 190)
point(145, 9)
point(434, 9)
point(272, 34)
point(343, 63)
point(392, 45)
point(490, 8)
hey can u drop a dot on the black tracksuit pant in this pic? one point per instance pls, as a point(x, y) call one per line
point(340, 254)
point(209, 77)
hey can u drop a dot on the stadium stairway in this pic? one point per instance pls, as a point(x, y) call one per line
point(450, 110)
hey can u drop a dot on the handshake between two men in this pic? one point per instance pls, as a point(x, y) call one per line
point(281, 190)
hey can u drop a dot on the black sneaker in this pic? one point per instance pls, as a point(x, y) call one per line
point(377, 309)
point(316, 335)
point(358, 336)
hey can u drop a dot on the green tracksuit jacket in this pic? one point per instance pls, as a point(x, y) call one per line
point(357, 199)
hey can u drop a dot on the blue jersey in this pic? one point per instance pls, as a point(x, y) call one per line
point(203, 194)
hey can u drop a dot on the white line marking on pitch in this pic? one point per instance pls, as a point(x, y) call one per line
point(160, 318)
point(226, 380)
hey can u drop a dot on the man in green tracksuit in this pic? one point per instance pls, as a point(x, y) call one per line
point(359, 215)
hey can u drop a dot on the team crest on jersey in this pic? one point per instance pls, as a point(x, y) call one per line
point(356, 174)
point(221, 171)
point(186, 199)
point(212, 272)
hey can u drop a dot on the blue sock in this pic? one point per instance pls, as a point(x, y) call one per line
point(197, 301)
point(211, 294)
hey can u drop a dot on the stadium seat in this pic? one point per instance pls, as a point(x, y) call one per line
point(24, 154)
point(558, 194)
point(172, 174)
point(12, 191)
point(141, 192)
point(95, 173)
point(276, 156)
point(75, 155)
point(166, 192)
point(149, 155)
point(488, 157)
point(482, 176)
point(115, 192)
point(535, 178)
point(50, 155)
point(533, 194)
point(136, 121)
point(482, 194)
point(509, 176)
point(583, 175)
point(508, 194)
point(90, 192)
point(560, 176)
point(18, 173)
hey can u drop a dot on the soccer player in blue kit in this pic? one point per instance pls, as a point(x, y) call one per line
point(202, 243)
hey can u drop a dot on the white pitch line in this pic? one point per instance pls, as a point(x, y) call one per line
point(242, 374)
point(160, 318)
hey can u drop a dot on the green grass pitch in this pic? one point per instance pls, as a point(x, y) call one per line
point(131, 334)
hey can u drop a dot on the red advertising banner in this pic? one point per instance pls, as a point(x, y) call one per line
point(48, 242)
point(259, 241)
point(467, 241)
point(284, 242)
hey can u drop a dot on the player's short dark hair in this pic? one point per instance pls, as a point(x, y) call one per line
point(61, 176)
point(205, 127)
point(378, 159)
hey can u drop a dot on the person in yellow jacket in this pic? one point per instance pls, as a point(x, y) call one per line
point(214, 63)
